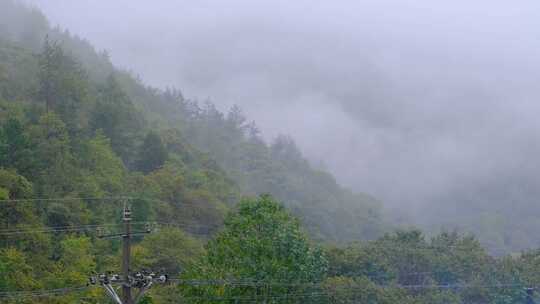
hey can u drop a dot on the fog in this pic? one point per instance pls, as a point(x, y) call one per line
point(420, 103)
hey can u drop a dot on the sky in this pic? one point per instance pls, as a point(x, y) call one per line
point(414, 101)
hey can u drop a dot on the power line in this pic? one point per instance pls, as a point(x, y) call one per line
point(33, 229)
point(193, 227)
point(330, 294)
point(367, 245)
point(130, 280)
point(43, 292)
point(8, 232)
point(259, 297)
point(43, 231)
point(58, 229)
point(65, 199)
point(103, 198)
point(249, 283)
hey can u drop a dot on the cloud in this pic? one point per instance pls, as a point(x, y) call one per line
point(408, 100)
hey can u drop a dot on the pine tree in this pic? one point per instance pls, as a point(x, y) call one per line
point(153, 153)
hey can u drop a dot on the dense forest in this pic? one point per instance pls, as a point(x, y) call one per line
point(234, 218)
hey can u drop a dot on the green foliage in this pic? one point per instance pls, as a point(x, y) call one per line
point(103, 168)
point(169, 249)
point(153, 153)
point(88, 94)
point(15, 146)
point(75, 263)
point(16, 271)
point(280, 169)
point(263, 243)
point(449, 268)
point(460, 260)
point(55, 163)
point(62, 84)
point(362, 290)
point(18, 77)
point(440, 297)
point(15, 215)
point(115, 115)
point(177, 201)
point(71, 125)
point(14, 185)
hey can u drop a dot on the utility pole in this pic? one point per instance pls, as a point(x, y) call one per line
point(141, 280)
point(126, 256)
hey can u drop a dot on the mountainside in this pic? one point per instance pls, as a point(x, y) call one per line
point(218, 214)
point(150, 132)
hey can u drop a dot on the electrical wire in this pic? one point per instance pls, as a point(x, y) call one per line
point(338, 291)
point(238, 283)
point(8, 232)
point(251, 283)
point(66, 199)
point(55, 228)
point(104, 198)
point(58, 229)
point(43, 292)
point(194, 226)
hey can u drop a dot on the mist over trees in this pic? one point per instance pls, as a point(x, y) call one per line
point(423, 105)
point(238, 216)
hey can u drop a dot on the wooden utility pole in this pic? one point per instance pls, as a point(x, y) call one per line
point(126, 257)
point(141, 280)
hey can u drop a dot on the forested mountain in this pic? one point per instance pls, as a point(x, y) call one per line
point(91, 97)
point(234, 218)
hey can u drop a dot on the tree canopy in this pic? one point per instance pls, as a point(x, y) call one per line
point(77, 136)
point(262, 243)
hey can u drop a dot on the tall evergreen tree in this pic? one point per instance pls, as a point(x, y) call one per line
point(116, 116)
point(153, 153)
point(62, 84)
point(15, 147)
